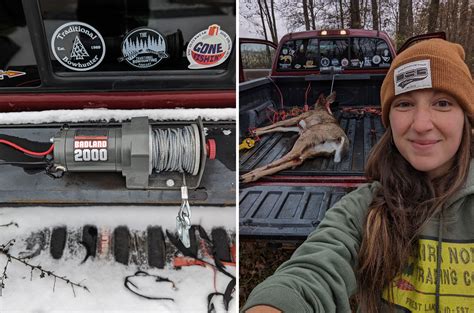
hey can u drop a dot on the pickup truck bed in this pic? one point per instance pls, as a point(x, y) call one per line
point(363, 131)
point(289, 205)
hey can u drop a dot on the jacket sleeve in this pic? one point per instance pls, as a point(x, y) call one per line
point(320, 276)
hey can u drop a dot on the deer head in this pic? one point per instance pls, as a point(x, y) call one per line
point(325, 102)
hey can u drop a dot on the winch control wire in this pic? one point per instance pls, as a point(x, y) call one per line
point(26, 151)
point(174, 149)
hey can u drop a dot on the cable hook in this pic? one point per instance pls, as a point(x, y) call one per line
point(183, 220)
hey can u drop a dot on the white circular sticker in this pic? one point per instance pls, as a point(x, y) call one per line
point(78, 46)
point(325, 62)
point(376, 59)
point(144, 47)
point(209, 48)
point(345, 62)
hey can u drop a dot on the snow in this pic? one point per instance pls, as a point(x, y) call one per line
point(105, 115)
point(103, 276)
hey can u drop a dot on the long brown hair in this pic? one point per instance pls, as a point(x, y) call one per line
point(400, 208)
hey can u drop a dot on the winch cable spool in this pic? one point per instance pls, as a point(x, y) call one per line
point(176, 149)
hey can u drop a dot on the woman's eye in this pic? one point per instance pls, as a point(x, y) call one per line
point(444, 104)
point(402, 105)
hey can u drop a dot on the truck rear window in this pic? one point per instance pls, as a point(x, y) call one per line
point(140, 35)
point(350, 53)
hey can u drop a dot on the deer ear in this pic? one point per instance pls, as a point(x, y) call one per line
point(331, 98)
point(320, 102)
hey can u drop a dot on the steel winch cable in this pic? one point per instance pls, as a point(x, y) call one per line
point(175, 149)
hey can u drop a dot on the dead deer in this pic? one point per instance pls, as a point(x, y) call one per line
point(320, 139)
point(319, 115)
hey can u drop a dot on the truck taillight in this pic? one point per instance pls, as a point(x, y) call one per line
point(343, 32)
point(324, 33)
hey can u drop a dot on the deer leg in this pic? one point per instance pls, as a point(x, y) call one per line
point(277, 129)
point(289, 122)
point(290, 160)
point(260, 172)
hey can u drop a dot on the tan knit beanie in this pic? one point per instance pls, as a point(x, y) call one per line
point(433, 63)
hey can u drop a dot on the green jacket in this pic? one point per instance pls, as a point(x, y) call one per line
point(320, 276)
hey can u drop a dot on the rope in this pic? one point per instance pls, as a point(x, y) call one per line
point(174, 149)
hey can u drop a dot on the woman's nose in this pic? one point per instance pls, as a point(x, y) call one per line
point(422, 119)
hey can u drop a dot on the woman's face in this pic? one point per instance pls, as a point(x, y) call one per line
point(427, 127)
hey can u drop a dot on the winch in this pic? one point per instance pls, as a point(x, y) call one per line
point(149, 156)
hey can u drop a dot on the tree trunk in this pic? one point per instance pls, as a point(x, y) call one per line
point(402, 22)
point(433, 16)
point(262, 18)
point(410, 18)
point(355, 14)
point(463, 20)
point(375, 15)
point(311, 12)
point(341, 12)
point(306, 14)
point(270, 21)
point(272, 2)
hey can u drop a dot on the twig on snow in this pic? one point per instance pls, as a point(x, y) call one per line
point(4, 249)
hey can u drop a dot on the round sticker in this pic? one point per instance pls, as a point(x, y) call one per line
point(78, 46)
point(345, 62)
point(209, 48)
point(143, 48)
point(325, 62)
point(376, 59)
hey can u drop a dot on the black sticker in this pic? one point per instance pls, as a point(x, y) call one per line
point(144, 48)
point(78, 46)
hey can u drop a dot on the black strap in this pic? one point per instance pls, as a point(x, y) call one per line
point(218, 265)
point(229, 290)
point(210, 305)
point(127, 283)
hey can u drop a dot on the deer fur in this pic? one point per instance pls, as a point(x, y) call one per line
point(319, 115)
point(320, 135)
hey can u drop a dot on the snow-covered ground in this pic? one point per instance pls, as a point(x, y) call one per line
point(104, 278)
point(91, 115)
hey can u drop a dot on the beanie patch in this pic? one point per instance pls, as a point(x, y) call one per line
point(412, 76)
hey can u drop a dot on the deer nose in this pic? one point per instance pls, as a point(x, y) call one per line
point(422, 119)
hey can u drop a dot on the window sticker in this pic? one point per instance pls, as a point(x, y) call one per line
point(325, 62)
point(10, 74)
point(209, 48)
point(78, 46)
point(376, 59)
point(144, 48)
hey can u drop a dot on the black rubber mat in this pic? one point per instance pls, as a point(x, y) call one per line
point(156, 247)
point(58, 242)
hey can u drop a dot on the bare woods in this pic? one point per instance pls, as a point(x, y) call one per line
point(270, 19)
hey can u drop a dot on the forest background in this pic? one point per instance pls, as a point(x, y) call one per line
point(401, 19)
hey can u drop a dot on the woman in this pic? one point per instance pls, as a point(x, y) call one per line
point(405, 241)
